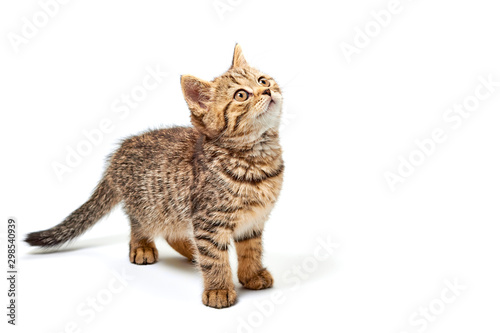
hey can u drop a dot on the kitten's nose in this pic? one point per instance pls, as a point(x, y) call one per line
point(266, 92)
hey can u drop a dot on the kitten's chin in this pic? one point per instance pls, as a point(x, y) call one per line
point(267, 109)
point(270, 118)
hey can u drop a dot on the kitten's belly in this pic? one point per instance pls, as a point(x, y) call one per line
point(176, 229)
point(256, 206)
point(251, 220)
point(252, 204)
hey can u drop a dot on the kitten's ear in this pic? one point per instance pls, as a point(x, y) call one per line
point(238, 59)
point(196, 93)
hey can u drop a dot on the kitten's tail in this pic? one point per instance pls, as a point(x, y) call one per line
point(104, 198)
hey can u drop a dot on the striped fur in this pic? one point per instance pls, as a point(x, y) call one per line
point(198, 187)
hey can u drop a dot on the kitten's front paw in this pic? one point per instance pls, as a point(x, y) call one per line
point(219, 298)
point(262, 280)
point(143, 255)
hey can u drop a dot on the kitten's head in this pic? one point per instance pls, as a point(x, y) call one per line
point(241, 103)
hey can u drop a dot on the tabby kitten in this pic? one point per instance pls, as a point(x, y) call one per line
point(199, 186)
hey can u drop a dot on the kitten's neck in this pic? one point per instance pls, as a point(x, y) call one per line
point(252, 162)
point(265, 144)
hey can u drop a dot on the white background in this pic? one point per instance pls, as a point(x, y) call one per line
point(345, 125)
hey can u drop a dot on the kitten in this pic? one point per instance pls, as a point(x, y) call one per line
point(198, 186)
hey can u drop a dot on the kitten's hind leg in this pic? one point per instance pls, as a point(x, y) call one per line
point(183, 246)
point(142, 250)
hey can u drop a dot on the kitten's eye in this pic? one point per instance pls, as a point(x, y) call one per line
point(265, 82)
point(241, 95)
